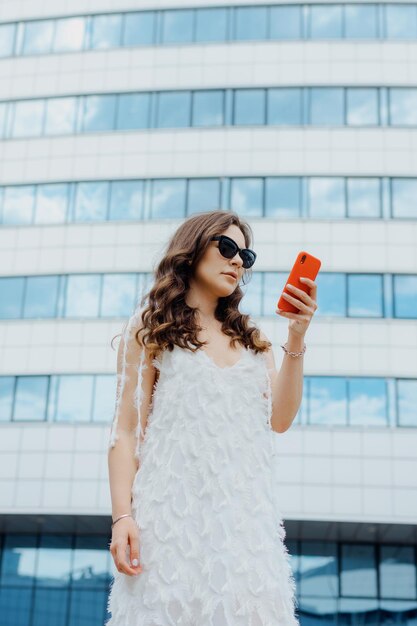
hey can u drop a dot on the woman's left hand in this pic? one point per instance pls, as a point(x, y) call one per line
point(306, 303)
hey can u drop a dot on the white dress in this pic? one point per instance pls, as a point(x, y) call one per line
point(211, 537)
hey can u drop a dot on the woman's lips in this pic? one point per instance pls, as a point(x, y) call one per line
point(231, 276)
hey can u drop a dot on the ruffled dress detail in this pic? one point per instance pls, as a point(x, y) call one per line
point(211, 535)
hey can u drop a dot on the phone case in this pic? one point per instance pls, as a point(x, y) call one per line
point(305, 265)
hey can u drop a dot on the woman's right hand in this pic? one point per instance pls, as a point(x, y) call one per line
point(125, 532)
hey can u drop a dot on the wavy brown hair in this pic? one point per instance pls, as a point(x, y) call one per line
point(166, 318)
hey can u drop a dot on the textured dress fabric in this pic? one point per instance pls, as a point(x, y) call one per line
point(211, 536)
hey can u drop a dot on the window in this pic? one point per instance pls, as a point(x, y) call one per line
point(325, 22)
point(358, 571)
point(208, 108)
point(361, 22)
point(203, 195)
point(403, 106)
point(83, 295)
point(174, 109)
point(168, 198)
point(51, 203)
point(404, 193)
point(249, 106)
point(7, 35)
point(283, 197)
point(37, 38)
point(139, 29)
point(247, 196)
point(397, 572)
point(285, 106)
point(133, 111)
point(69, 34)
point(28, 118)
point(211, 24)
point(30, 399)
point(362, 106)
point(326, 197)
point(328, 401)
point(368, 402)
point(250, 23)
point(6, 397)
point(99, 113)
point(106, 31)
point(18, 204)
point(60, 116)
point(407, 402)
point(118, 297)
point(364, 197)
point(41, 297)
point(405, 296)
point(177, 26)
point(326, 106)
point(126, 200)
point(74, 398)
point(365, 295)
point(331, 294)
point(91, 202)
point(400, 21)
point(318, 567)
point(285, 22)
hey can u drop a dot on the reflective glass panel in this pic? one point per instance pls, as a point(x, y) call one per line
point(69, 34)
point(283, 196)
point(11, 297)
point(328, 401)
point(89, 566)
point(361, 22)
point(250, 23)
point(3, 108)
point(168, 198)
point(318, 569)
point(139, 29)
point(18, 204)
point(285, 22)
point(133, 111)
point(327, 106)
point(51, 203)
point(249, 106)
point(365, 295)
point(18, 560)
point(400, 21)
point(403, 106)
point(397, 572)
point(54, 561)
point(60, 116)
point(7, 34)
point(407, 402)
point(203, 195)
point(405, 296)
point(404, 193)
point(83, 292)
point(173, 109)
point(331, 294)
point(74, 398)
point(358, 570)
point(326, 197)
point(362, 106)
point(37, 38)
point(247, 196)
point(211, 24)
point(126, 200)
point(364, 197)
point(177, 26)
point(104, 397)
point(284, 106)
point(273, 284)
point(41, 297)
point(368, 402)
point(31, 398)
point(99, 113)
point(106, 31)
point(208, 108)
point(6, 397)
point(28, 118)
point(91, 202)
point(118, 295)
point(251, 304)
point(325, 22)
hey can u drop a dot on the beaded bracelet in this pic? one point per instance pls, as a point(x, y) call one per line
point(125, 515)
point(284, 347)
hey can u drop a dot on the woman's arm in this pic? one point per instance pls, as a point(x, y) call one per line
point(135, 380)
point(287, 384)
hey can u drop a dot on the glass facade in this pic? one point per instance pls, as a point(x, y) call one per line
point(83, 296)
point(376, 21)
point(327, 400)
point(278, 197)
point(361, 107)
point(64, 579)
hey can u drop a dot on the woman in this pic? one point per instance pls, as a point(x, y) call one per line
point(197, 536)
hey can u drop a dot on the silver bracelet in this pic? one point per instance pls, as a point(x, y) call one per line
point(284, 347)
point(125, 515)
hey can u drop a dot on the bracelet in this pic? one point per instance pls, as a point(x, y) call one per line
point(125, 515)
point(284, 347)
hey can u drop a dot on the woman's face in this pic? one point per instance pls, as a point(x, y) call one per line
point(211, 271)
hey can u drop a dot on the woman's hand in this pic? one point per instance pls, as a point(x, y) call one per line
point(307, 303)
point(125, 533)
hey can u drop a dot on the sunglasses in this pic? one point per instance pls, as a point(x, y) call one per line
point(229, 248)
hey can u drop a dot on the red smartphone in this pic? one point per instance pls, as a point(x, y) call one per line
point(305, 265)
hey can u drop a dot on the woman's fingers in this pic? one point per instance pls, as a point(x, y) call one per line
point(134, 552)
